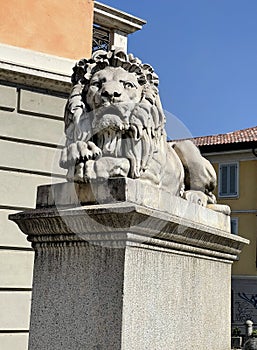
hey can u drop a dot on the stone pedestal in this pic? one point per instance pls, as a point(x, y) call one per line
point(148, 272)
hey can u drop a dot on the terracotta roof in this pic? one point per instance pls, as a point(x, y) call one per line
point(245, 135)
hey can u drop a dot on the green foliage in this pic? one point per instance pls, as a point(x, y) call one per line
point(236, 332)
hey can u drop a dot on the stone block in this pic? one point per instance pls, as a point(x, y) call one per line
point(10, 235)
point(132, 191)
point(167, 301)
point(13, 341)
point(45, 130)
point(19, 189)
point(30, 157)
point(125, 273)
point(41, 104)
point(134, 276)
point(15, 310)
point(16, 268)
point(8, 98)
point(119, 39)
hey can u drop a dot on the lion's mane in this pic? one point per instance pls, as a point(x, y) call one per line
point(145, 125)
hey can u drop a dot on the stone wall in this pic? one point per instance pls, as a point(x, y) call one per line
point(31, 119)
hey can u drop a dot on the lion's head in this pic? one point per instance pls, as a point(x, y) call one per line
point(111, 86)
point(112, 95)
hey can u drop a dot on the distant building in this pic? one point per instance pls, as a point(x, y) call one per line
point(234, 157)
point(40, 42)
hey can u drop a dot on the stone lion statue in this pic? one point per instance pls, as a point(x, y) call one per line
point(114, 124)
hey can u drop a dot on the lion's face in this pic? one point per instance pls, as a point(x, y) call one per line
point(113, 91)
point(113, 85)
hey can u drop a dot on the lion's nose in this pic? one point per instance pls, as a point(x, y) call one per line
point(110, 90)
point(110, 94)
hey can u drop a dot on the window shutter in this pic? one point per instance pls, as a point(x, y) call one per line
point(233, 178)
point(224, 179)
point(234, 225)
point(228, 180)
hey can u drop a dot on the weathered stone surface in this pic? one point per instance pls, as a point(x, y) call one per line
point(131, 191)
point(125, 276)
point(15, 310)
point(44, 130)
point(114, 224)
point(20, 188)
point(114, 125)
point(88, 315)
point(10, 235)
point(13, 341)
point(16, 269)
point(119, 263)
point(8, 97)
point(41, 104)
point(22, 156)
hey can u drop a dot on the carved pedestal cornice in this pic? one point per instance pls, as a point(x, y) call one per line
point(126, 224)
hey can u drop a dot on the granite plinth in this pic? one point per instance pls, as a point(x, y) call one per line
point(125, 275)
point(120, 190)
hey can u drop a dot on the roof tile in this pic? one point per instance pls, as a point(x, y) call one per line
point(245, 135)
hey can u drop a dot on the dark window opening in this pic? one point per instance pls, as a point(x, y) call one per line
point(101, 38)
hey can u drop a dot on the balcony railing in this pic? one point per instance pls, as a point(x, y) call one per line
point(101, 38)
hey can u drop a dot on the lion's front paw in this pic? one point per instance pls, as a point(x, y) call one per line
point(196, 197)
point(88, 150)
point(75, 156)
point(96, 152)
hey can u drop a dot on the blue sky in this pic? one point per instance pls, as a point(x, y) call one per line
point(205, 53)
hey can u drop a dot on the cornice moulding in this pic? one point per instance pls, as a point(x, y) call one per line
point(35, 68)
point(112, 18)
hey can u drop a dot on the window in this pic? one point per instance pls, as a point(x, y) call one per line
point(101, 38)
point(234, 225)
point(228, 180)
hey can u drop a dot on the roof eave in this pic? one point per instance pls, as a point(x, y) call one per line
point(110, 17)
point(228, 147)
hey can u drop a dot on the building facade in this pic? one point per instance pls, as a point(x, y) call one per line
point(40, 42)
point(234, 157)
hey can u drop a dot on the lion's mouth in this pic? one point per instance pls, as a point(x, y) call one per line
point(109, 127)
point(110, 117)
point(109, 141)
point(108, 108)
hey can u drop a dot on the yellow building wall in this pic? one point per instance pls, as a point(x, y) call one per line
point(247, 221)
point(247, 227)
point(56, 27)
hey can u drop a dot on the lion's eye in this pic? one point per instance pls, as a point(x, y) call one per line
point(128, 85)
point(96, 84)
